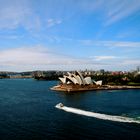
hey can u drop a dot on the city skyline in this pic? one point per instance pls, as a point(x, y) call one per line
point(69, 35)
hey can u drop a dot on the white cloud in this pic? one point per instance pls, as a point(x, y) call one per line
point(52, 22)
point(100, 58)
point(39, 57)
point(28, 56)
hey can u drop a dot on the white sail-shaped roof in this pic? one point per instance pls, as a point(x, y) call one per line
point(82, 78)
point(88, 80)
point(75, 80)
point(63, 80)
point(68, 82)
point(72, 79)
point(78, 79)
point(98, 82)
point(69, 74)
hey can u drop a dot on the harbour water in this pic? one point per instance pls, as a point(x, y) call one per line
point(27, 111)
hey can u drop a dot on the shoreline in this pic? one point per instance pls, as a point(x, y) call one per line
point(66, 88)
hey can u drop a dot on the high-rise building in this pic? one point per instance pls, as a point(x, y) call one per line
point(138, 68)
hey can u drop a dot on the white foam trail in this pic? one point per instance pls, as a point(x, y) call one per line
point(97, 115)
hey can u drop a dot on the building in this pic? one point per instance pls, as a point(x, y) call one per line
point(76, 82)
point(78, 79)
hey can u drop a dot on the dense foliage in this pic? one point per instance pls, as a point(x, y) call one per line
point(128, 79)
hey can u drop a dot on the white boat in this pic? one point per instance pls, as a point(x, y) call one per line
point(97, 115)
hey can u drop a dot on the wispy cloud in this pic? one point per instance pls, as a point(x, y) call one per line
point(112, 11)
point(117, 63)
point(12, 37)
point(99, 58)
point(131, 62)
point(18, 14)
point(118, 9)
point(52, 22)
point(90, 6)
point(110, 43)
point(24, 13)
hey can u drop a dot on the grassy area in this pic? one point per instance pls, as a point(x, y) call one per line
point(133, 84)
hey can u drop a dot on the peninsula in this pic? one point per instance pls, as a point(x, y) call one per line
point(73, 82)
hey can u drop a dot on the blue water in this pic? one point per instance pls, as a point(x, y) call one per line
point(27, 112)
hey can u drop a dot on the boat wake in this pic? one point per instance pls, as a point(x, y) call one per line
point(97, 115)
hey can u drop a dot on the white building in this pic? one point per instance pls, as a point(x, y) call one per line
point(78, 79)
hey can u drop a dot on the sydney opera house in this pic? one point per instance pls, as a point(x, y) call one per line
point(76, 82)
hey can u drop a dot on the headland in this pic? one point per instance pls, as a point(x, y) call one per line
point(74, 82)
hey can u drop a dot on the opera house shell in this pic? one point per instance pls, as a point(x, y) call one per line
point(76, 82)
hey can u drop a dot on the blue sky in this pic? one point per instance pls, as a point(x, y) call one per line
point(69, 35)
